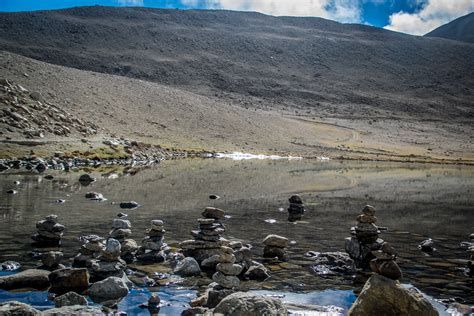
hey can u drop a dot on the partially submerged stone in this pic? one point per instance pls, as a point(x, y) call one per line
point(31, 278)
point(247, 304)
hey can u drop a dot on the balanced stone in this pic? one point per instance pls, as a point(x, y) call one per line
point(229, 268)
point(153, 249)
point(212, 212)
point(49, 231)
point(226, 281)
point(296, 208)
point(275, 246)
point(52, 260)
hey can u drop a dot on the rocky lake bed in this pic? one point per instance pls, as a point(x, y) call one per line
point(142, 222)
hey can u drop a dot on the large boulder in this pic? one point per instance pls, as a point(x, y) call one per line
point(247, 304)
point(32, 279)
point(14, 308)
point(187, 267)
point(383, 296)
point(69, 279)
point(110, 289)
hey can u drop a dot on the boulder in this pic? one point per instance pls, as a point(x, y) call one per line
point(69, 299)
point(69, 279)
point(32, 278)
point(14, 308)
point(247, 304)
point(112, 288)
point(187, 267)
point(383, 296)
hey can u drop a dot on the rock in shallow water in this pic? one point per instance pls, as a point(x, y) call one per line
point(240, 304)
point(69, 279)
point(14, 308)
point(110, 289)
point(70, 299)
point(187, 267)
point(383, 296)
point(32, 278)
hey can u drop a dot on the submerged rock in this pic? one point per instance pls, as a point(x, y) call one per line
point(332, 263)
point(383, 296)
point(32, 278)
point(247, 304)
point(427, 245)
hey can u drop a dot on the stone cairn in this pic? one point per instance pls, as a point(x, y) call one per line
point(91, 249)
point(109, 262)
point(153, 249)
point(275, 246)
point(227, 269)
point(207, 240)
point(49, 231)
point(52, 260)
point(296, 208)
point(121, 230)
point(365, 238)
point(384, 262)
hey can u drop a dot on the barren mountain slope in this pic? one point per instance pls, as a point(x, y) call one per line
point(117, 106)
point(461, 29)
point(311, 65)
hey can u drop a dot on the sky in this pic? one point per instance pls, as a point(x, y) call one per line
point(415, 17)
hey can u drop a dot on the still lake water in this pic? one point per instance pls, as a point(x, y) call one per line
point(415, 201)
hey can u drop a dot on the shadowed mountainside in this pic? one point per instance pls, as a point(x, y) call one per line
point(313, 65)
point(461, 29)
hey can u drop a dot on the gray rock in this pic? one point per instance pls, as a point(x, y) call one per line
point(383, 296)
point(188, 267)
point(247, 304)
point(52, 258)
point(276, 241)
point(32, 278)
point(113, 247)
point(86, 178)
point(129, 205)
point(10, 266)
point(69, 299)
point(332, 263)
point(210, 263)
point(112, 288)
point(226, 281)
point(229, 268)
point(14, 308)
point(257, 272)
point(212, 212)
point(77, 310)
point(121, 223)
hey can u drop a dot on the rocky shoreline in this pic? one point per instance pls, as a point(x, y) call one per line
point(107, 268)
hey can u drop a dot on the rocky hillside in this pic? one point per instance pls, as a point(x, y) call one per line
point(310, 65)
point(461, 29)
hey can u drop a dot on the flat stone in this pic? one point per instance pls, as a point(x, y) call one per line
point(226, 281)
point(31, 278)
point(276, 241)
point(212, 212)
point(229, 268)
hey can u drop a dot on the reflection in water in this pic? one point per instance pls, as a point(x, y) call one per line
point(415, 202)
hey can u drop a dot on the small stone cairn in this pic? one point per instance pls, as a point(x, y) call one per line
point(365, 238)
point(227, 269)
point(153, 249)
point(49, 231)
point(109, 263)
point(121, 230)
point(275, 246)
point(384, 262)
point(207, 240)
point(296, 208)
point(90, 250)
point(52, 260)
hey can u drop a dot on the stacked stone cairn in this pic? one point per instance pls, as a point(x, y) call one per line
point(384, 262)
point(365, 239)
point(52, 260)
point(121, 230)
point(296, 208)
point(91, 249)
point(153, 249)
point(227, 269)
point(207, 240)
point(49, 232)
point(275, 246)
point(109, 263)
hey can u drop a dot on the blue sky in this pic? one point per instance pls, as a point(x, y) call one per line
point(409, 16)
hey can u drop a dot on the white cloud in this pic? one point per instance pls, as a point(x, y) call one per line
point(339, 10)
point(433, 14)
point(130, 3)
